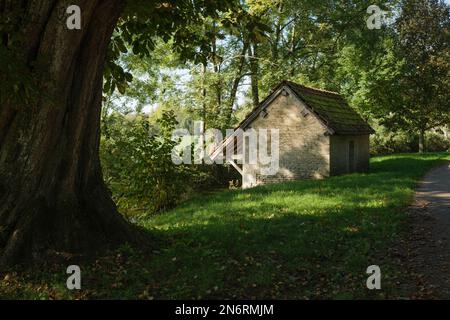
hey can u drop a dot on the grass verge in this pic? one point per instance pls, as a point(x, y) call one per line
point(298, 240)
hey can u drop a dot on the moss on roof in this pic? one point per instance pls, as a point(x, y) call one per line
point(328, 106)
point(332, 109)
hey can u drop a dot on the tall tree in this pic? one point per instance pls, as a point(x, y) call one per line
point(424, 45)
point(52, 194)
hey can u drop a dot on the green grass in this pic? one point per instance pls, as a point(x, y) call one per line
point(305, 239)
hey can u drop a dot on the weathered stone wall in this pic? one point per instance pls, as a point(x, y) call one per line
point(304, 145)
point(339, 154)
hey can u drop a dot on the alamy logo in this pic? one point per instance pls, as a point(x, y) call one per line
point(74, 280)
point(374, 280)
point(73, 22)
point(377, 17)
point(251, 147)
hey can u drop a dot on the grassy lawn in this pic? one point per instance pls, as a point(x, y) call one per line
point(306, 239)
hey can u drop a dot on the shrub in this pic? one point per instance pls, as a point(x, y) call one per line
point(386, 142)
point(435, 142)
point(137, 164)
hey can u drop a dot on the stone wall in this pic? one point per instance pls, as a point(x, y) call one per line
point(304, 143)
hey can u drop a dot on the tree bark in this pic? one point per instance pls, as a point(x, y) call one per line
point(422, 141)
point(203, 92)
point(278, 30)
point(237, 79)
point(216, 66)
point(254, 68)
point(52, 195)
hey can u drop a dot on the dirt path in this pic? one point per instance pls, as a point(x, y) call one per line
point(427, 247)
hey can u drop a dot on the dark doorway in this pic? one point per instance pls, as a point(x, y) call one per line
point(351, 156)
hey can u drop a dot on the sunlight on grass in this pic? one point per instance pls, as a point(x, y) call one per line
point(304, 239)
point(335, 226)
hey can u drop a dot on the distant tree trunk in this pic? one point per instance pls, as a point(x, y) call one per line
point(292, 52)
point(254, 68)
point(276, 41)
point(52, 194)
point(237, 79)
point(203, 89)
point(422, 146)
point(216, 66)
point(278, 29)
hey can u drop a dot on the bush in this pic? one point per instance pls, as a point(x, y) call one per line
point(137, 164)
point(435, 142)
point(386, 142)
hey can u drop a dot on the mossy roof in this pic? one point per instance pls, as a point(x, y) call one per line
point(330, 107)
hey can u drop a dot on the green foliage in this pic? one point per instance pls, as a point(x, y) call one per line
point(423, 42)
point(387, 142)
point(321, 43)
point(143, 21)
point(403, 80)
point(137, 165)
point(437, 142)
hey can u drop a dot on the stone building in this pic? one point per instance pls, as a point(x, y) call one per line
point(320, 135)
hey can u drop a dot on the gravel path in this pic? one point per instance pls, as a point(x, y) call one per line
point(428, 243)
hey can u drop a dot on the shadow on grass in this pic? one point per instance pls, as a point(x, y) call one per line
point(292, 240)
point(305, 239)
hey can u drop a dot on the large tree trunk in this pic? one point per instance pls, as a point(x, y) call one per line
point(52, 195)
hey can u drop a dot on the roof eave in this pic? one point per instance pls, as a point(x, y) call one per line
point(355, 133)
point(330, 130)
